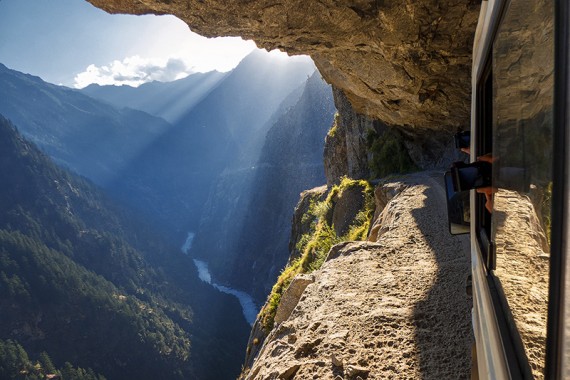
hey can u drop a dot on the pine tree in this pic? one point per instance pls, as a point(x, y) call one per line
point(46, 363)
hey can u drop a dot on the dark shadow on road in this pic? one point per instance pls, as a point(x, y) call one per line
point(443, 318)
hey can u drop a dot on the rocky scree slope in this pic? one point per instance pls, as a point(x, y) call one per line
point(389, 307)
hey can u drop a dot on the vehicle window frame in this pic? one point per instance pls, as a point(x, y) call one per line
point(483, 145)
point(554, 366)
point(513, 347)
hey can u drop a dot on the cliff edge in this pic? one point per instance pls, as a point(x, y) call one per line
point(391, 307)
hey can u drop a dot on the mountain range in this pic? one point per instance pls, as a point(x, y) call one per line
point(163, 169)
point(168, 100)
point(221, 155)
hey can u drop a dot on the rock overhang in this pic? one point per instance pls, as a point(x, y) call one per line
point(405, 63)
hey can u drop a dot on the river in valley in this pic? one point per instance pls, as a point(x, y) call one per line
point(248, 306)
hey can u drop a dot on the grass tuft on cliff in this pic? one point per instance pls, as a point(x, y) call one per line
point(332, 132)
point(316, 244)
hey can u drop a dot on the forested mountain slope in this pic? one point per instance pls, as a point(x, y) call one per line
point(88, 283)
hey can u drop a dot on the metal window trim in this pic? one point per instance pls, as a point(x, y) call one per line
point(560, 233)
point(491, 358)
point(495, 344)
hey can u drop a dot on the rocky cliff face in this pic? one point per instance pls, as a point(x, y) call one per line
point(359, 146)
point(406, 63)
point(392, 307)
point(345, 145)
point(245, 226)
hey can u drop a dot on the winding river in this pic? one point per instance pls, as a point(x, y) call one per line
point(248, 306)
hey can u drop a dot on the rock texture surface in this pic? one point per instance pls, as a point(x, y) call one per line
point(346, 153)
point(292, 296)
point(406, 63)
point(346, 206)
point(391, 308)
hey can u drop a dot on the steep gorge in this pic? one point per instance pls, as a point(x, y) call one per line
point(401, 68)
point(247, 214)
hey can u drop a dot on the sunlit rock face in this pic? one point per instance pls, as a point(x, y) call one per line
point(345, 151)
point(402, 62)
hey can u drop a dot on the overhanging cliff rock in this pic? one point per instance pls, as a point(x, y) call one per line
point(405, 63)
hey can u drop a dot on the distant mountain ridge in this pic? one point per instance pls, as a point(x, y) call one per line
point(168, 100)
point(78, 132)
point(165, 170)
point(235, 111)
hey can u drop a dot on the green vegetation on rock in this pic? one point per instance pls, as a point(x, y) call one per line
point(332, 132)
point(388, 154)
point(316, 244)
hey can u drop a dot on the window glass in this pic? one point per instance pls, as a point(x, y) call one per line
point(523, 73)
point(565, 326)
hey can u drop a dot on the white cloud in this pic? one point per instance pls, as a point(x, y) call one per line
point(133, 71)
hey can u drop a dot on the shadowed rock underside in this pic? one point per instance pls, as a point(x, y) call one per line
point(406, 63)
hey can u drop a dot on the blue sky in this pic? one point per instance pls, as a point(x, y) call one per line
point(71, 42)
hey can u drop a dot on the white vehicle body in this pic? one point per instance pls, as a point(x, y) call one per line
point(517, 38)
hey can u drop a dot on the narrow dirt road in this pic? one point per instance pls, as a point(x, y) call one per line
point(394, 308)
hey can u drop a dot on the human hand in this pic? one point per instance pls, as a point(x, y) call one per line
point(488, 191)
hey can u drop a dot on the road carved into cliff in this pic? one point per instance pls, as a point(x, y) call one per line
point(389, 309)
